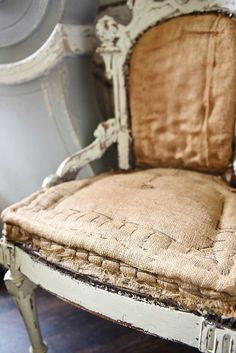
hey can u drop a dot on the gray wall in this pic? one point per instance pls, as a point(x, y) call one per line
point(44, 120)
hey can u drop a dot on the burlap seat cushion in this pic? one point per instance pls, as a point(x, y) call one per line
point(164, 232)
point(182, 88)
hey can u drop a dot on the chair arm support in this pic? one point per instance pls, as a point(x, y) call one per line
point(105, 134)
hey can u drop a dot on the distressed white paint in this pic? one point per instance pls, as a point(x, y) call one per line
point(217, 339)
point(117, 41)
point(105, 134)
point(22, 290)
point(153, 319)
point(165, 322)
point(65, 40)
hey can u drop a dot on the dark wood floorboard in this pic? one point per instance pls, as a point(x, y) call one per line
point(70, 330)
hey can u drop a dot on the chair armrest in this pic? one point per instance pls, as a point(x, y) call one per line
point(105, 134)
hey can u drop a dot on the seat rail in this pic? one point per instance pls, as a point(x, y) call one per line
point(121, 307)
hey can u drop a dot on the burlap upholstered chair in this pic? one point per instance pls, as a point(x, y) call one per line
point(155, 243)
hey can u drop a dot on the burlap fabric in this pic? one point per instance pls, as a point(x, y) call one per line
point(182, 88)
point(164, 232)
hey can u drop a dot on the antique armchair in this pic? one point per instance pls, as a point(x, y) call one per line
point(151, 246)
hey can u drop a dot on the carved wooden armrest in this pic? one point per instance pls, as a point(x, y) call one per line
point(106, 135)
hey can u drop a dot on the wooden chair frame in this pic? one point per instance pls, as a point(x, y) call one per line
point(26, 271)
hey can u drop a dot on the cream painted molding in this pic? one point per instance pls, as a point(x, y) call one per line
point(65, 40)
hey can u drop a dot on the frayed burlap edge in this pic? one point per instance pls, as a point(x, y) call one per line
point(116, 273)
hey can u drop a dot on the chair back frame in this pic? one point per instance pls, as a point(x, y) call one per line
point(117, 41)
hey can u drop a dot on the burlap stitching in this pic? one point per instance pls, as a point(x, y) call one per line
point(39, 243)
point(90, 263)
point(119, 241)
point(109, 219)
point(93, 216)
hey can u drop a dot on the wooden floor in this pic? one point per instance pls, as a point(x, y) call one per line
point(70, 330)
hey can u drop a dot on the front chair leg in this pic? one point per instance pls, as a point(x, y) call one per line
point(23, 291)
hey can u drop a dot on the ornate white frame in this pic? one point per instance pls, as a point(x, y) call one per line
point(26, 271)
point(117, 41)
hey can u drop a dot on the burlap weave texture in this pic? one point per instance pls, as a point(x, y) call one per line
point(182, 88)
point(175, 224)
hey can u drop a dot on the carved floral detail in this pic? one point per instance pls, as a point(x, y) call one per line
point(138, 6)
point(108, 30)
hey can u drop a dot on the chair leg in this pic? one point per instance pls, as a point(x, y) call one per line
point(23, 291)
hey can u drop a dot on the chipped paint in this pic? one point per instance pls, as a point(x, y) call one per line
point(125, 308)
point(117, 306)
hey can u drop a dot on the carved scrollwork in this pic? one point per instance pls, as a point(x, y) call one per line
point(105, 135)
point(184, 6)
point(117, 41)
point(108, 31)
point(114, 39)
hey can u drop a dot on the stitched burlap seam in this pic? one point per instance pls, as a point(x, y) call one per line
point(113, 272)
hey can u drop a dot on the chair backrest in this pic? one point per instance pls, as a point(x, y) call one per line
point(174, 82)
